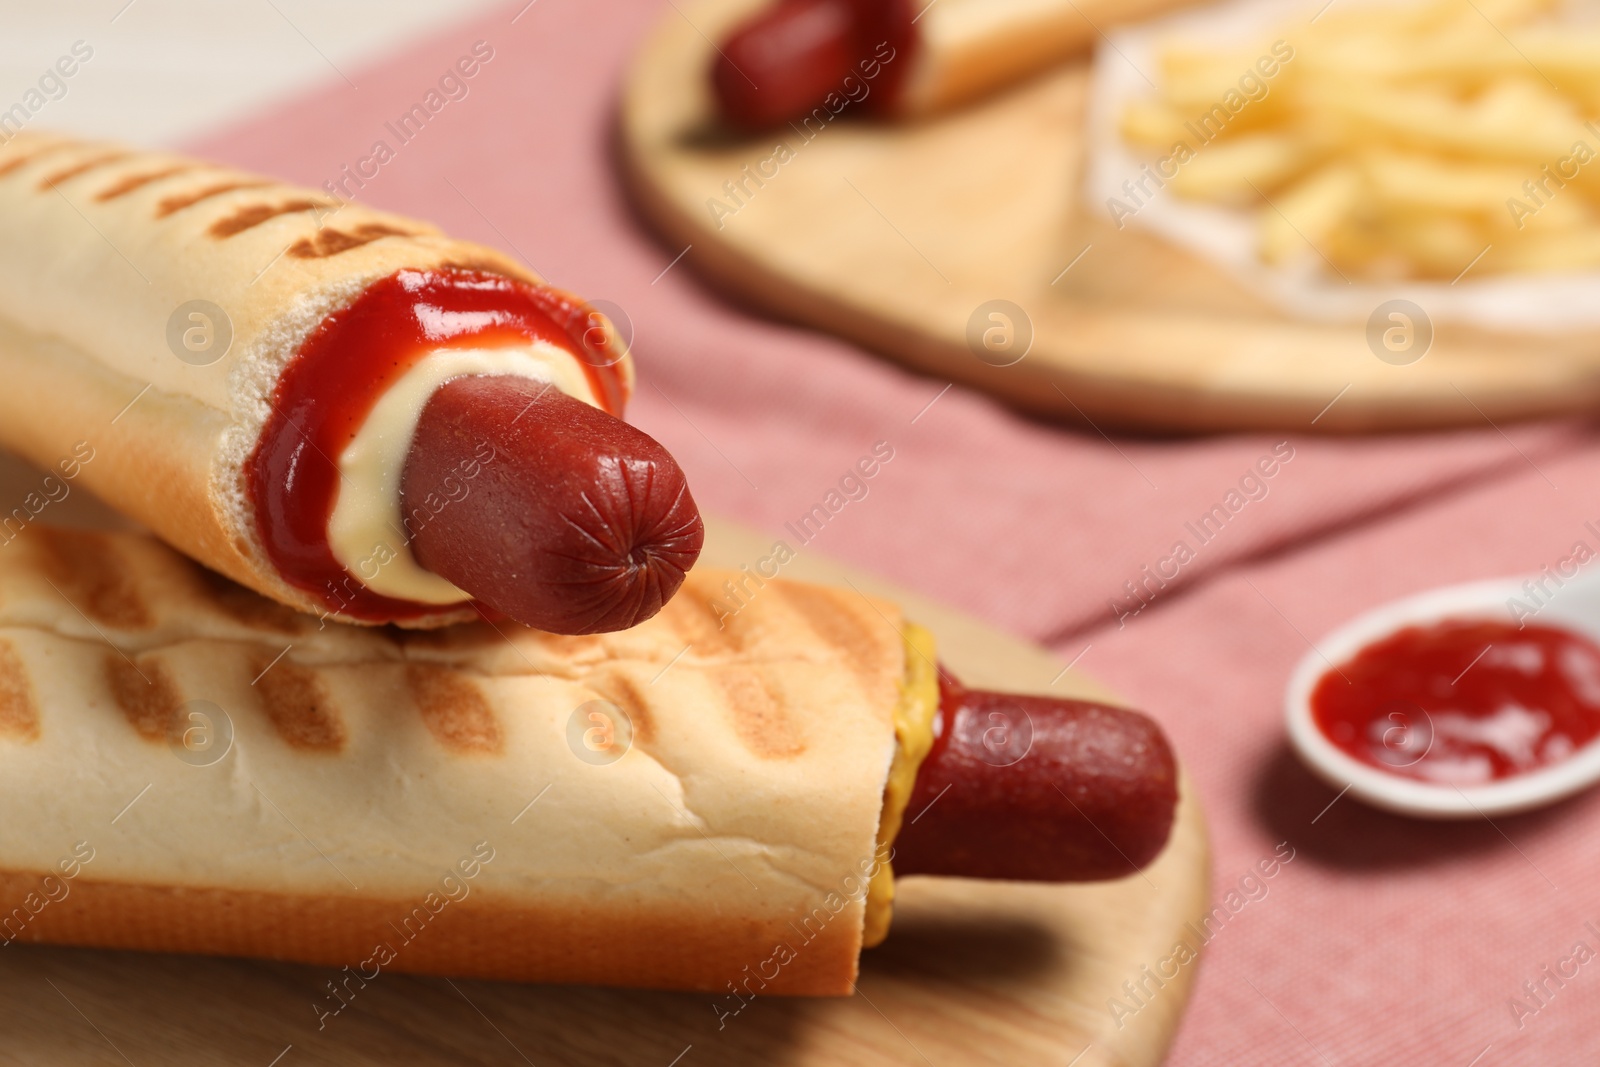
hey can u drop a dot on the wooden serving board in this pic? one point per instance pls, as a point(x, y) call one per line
point(893, 236)
point(972, 972)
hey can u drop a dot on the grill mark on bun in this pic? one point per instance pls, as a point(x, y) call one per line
point(87, 570)
point(839, 627)
point(625, 693)
point(138, 181)
point(454, 709)
point(254, 215)
point(331, 242)
point(146, 693)
point(298, 705)
point(28, 157)
point(760, 716)
point(19, 712)
point(50, 181)
point(694, 620)
point(178, 201)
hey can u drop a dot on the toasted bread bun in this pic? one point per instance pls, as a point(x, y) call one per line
point(100, 246)
point(967, 49)
point(427, 801)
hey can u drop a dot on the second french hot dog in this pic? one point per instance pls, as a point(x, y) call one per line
point(739, 794)
point(911, 57)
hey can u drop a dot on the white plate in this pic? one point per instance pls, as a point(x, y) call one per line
point(1574, 606)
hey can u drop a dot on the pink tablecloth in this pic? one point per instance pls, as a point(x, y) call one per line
point(1384, 941)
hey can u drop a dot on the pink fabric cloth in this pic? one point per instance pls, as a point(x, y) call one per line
point(1384, 940)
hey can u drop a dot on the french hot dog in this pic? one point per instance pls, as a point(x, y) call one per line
point(665, 806)
point(900, 59)
point(251, 362)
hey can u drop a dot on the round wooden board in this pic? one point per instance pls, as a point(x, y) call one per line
point(893, 236)
point(973, 972)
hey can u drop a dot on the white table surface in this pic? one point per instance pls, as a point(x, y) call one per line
point(166, 70)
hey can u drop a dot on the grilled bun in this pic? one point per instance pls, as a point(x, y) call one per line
point(340, 782)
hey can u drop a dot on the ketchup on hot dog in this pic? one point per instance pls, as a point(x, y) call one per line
point(514, 542)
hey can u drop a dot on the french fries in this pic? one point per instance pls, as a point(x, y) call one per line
point(1400, 141)
point(1234, 169)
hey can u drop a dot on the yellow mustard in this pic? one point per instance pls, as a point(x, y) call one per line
point(913, 731)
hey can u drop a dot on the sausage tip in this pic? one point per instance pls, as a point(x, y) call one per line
point(575, 523)
point(1031, 788)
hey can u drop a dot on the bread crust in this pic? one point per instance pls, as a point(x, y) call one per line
point(365, 765)
point(500, 938)
point(100, 245)
point(969, 48)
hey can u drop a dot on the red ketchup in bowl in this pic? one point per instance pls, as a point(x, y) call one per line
point(1463, 701)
